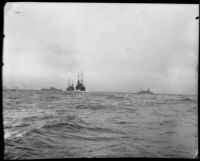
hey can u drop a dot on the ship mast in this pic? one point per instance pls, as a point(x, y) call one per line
point(78, 77)
point(82, 77)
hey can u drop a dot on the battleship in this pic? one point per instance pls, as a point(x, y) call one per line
point(79, 87)
point(144, 92)
point(70, 86)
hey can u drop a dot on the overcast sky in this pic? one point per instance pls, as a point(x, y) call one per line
point(120, 47)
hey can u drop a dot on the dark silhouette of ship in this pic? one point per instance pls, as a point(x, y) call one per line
point(80, 86)
point(145, 92)
point(51, 89)
point(70, 86)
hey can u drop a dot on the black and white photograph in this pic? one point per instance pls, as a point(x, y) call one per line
point(100, 80)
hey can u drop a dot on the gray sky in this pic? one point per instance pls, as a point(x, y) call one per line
point(120, 47)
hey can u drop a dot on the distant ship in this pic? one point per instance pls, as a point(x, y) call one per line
point(79, 87)
point(70, 86)
point(144, 92)
point(51, 89)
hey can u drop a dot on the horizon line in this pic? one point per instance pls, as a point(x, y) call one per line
point(99, 91)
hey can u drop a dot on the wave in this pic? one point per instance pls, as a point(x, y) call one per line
point(63, 126)
point(13, 97)
point(90, 106)
point(20, 136)
point(173, 101)
point(61, 130)
point(168, 123)
point(182, 99)
point(30, 118)
point(116, 97)
point(21, 125)
point(50, 98)
point(72, 125)
point(9, 156)
point(187, 99)
point(105, 130)
point(14, 135)
point(75, 127)
point(122, 122)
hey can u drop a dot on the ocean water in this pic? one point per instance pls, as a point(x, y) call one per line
point(56, 124)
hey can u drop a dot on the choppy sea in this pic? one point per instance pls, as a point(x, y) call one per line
point(57, 124)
